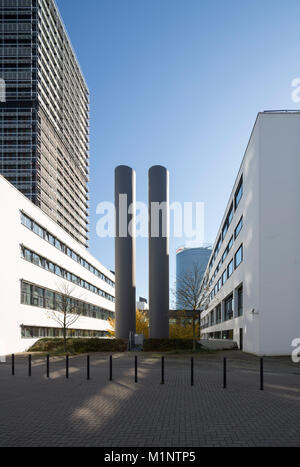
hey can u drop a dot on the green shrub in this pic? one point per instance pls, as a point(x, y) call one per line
point(165, 345)
point(80, 345)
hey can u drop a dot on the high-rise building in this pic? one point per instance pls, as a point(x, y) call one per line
point(186, 259)
point(44, 138)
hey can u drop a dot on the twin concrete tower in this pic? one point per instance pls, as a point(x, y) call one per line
point(125, 251)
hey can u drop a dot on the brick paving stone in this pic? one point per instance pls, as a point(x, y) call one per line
point(38, 411)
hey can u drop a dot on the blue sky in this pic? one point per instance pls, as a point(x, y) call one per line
point(179, 83)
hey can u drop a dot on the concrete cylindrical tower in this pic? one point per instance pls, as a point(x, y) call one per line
point(159, 252)
point(125, 251)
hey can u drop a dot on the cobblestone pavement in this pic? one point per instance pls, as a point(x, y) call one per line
point(38, 411)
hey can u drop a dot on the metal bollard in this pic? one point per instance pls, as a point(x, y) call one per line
point(48, 366)
point(29, 365)
point(13, 364)
point(110, 368)
point(67, 366)
point(136, 369)
point(162, 370)
point(192, 371)
point(88, 367)
point(261, 374)
point(225, 373)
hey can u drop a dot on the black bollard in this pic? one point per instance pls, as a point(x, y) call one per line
point(225, 373)
point(67, 366)
point(192, 371)
point(29, 365)
point(261, 374)
point(110, 368)
point(88, 367)
point(136, 369)
point(13, 364)
point(48, 366)
point(162, 370)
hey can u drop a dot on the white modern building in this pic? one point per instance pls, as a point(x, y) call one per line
point(38, 259)
point(253, 276)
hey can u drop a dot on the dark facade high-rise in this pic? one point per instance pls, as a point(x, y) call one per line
point(44, 123)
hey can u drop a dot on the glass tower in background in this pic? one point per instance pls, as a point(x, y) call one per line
point(186, 258)
point(44, 138)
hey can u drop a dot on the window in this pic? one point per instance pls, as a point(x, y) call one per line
point(38, 297)
point(238, 258)
point(230, 269)
point(36, 259)
point(224, 277)
point(229, 308)
point(49, 300)
point(224, 231)
point(238, 193)
point(27, 255)
point(26, 221)
point(26, 294)
point(240, 301)
point(227, 222)
point(238, 228)
point(218, 314)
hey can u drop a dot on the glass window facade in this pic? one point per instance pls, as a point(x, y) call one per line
point(46, 235)
point(44, 263)
point(44, 150)
point(40, 297)
point(33, 332)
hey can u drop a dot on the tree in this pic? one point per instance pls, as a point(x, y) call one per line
point(67, 311)
point(142, 324)
point(182, 328)
point(191, 294)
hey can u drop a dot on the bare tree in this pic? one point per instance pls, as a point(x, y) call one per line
point(66, 312)
point(192, 295)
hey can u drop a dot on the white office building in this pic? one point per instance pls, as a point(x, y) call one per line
point(39, 262)
point(253, 275)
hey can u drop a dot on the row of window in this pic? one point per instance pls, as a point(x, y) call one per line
point(46, 235)
point(237, 198)
point(34, 295)
point(234, 264)
point(32, 332)
point(227, 249)
point(215, 316)
point(44, 263)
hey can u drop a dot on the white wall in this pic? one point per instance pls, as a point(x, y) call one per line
point(280, 232)
point(13, 269)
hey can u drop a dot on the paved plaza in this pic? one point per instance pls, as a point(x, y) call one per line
point(38, 411)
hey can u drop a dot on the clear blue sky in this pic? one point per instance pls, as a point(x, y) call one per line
point(179, 83)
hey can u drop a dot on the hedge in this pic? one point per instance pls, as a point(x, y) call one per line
point(80, 345)
point(165, 345)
